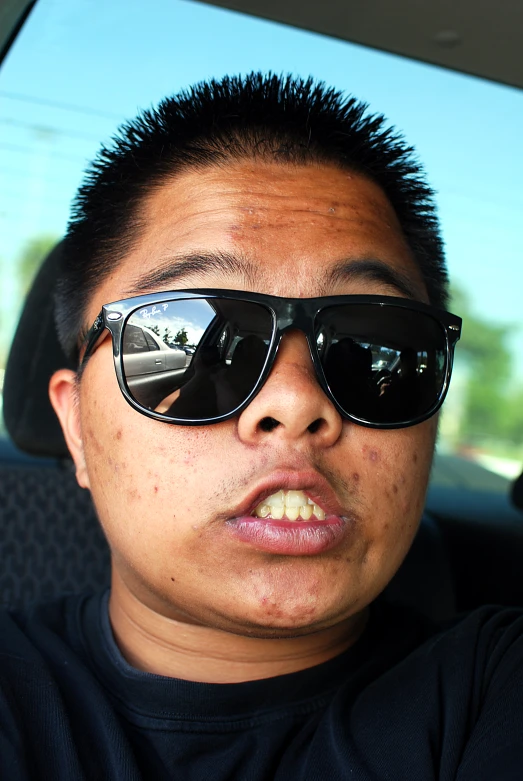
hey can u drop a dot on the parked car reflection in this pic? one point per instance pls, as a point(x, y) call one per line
point(151, 366)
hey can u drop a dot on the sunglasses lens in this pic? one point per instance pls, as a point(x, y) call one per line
point(383, 364)
point(195, 358)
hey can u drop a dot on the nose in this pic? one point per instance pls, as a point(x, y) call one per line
point(291, 405)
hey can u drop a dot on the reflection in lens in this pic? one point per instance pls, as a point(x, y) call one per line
point(195, 358)
point(383, 364)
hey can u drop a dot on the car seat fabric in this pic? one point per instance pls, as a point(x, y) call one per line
point(424, 581)
point(50, 539)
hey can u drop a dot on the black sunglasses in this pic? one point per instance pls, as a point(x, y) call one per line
point(195, 357)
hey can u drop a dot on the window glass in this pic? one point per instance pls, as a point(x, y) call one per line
point(135, 340)
point(74, 74)
point(150, 341)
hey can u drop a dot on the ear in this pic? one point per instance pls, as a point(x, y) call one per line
point(63, 392)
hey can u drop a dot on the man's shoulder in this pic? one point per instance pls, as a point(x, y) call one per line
point(484, 631)
point(32, 635)
point(485, 621)
point(43, 657)
point(475, 648)
point(487, 632)
point(491, 639)
point(49, 695)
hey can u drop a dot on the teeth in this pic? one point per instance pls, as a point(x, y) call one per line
point(276, 499)
point(306, 511)
point(294, 499)
point(263, 510)
point(318, 512)
point(294, 505)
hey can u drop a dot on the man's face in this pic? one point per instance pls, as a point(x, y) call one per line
point(167, 495)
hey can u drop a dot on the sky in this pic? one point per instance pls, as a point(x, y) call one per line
point(75, 73)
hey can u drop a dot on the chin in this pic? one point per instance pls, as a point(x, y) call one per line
point(278, 633)
point(277, 622)
point(275, 632)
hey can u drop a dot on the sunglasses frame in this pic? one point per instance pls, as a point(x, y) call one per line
point(287, 314)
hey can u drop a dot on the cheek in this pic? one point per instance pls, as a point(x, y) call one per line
point(142, 471)
point(392, 478)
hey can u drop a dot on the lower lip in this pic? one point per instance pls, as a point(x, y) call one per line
point(290, 538)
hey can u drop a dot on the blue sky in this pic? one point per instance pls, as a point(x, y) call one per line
point(74, 73)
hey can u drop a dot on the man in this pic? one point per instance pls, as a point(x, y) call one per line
point(258, 497)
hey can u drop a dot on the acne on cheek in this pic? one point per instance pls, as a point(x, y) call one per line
point(398, 490)
point(106, 462)
point(371, 454)
point(190, 459)
point(388, 461)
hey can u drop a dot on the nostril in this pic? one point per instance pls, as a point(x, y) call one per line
point(315, 426)
point(269, 424)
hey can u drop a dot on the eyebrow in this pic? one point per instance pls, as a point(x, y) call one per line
point(374, 271)
point(177, 267)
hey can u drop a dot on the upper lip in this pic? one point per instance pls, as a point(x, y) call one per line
point(313, 484)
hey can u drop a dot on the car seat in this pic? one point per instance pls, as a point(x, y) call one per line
point(50, 539)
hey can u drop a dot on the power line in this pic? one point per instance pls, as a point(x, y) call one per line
point(27, 173)
point(45, 203)
point(50, 153)
point(43, 196)
point(47, 129)
point(62, 106)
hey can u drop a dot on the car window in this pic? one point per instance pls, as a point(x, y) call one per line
point(74, 74)
point(135, 340)
point(150, 341)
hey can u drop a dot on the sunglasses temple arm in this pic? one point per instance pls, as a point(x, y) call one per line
point(91, 339)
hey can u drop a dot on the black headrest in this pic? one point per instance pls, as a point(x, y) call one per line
point(35, 354)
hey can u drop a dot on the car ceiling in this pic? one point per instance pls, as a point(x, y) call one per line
point(480, 37)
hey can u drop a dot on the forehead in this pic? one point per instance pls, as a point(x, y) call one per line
point(282, 229)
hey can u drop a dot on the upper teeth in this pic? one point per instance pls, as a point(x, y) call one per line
point(291, 504)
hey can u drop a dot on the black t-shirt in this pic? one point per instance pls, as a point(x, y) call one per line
point(405, 703)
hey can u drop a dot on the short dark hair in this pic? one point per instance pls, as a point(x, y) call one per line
point(260, 117)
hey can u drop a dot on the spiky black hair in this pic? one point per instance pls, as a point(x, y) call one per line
point(260, 117)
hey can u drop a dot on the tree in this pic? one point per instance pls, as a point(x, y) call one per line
point(513, 423)
point(167, 336)
point(181, 337)
point(31, 257)
point(484, 347)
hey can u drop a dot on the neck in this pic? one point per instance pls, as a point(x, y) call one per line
point(155, 643)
